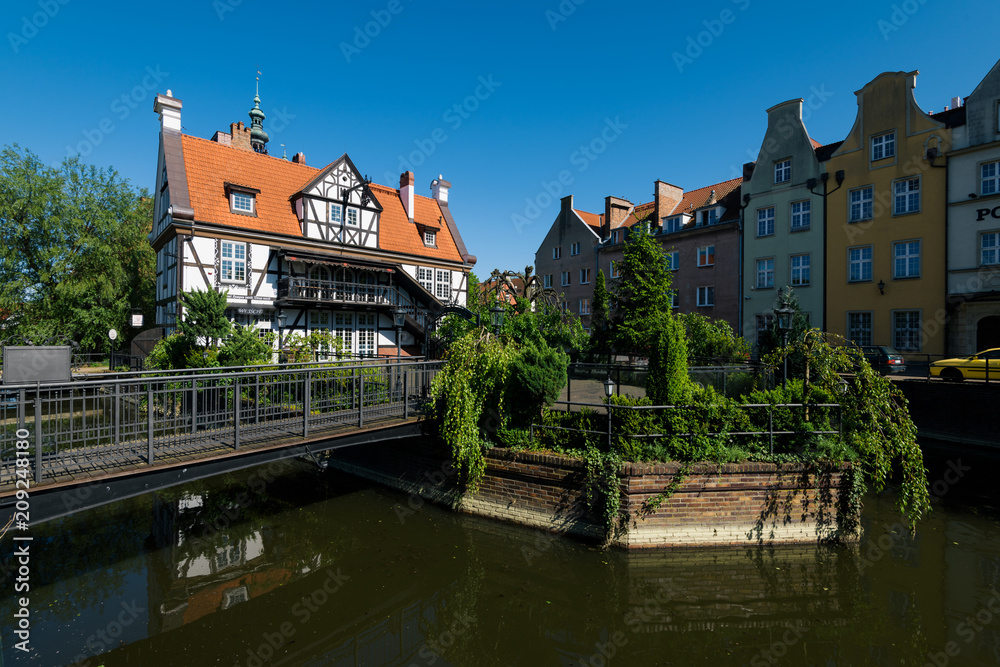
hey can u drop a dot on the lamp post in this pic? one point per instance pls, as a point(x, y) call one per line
point(609, 390)
point(784, 315)
point(282, 319)
point(497, 313)
point(811, 184)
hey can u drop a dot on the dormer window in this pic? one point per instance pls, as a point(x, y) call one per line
point(709, 217)
point(673, 224)
point(242, 200)
point(430, 239)
point(336, 214)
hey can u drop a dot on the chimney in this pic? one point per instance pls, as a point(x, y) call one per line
point(406, 189)
point(566, 205)
point(241, 136)
point(667, 197)
point(615, 211)
point(956, 102)
point(439, 189)
point(223, 138)
point(169, 110)
point(299, 158)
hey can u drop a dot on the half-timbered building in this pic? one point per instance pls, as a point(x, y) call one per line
point(324, 247)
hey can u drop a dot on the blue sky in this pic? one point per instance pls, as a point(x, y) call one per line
point(516, 103)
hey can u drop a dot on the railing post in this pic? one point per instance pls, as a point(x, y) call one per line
point(770, 426)
point(149, 423)
point(194, 406)
point(306, 400)
point(21, 397)
point(236, 415)
point(116, 414)
point(38, 436)
point(361, 400)
point(256, 399)
point(406, 395)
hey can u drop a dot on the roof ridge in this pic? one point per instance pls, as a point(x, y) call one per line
point(273, 157)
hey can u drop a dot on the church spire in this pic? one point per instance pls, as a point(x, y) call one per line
point(258, 137)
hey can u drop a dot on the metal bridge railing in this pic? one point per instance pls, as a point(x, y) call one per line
point(137, 419)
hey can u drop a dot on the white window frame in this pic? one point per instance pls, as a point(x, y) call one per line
point(906, 195)
point(574, 248)
point(765, 273)
point(352, 217)
point(859, 327)
point(906, 254)
point(232, 264)
point(783, 171)
point(584, 276)
point(861, 262)
point(336, 214)
point(989, 248)
point(442, 284)
point(564, 279)
point(766, 220)
point(614, 272)
point(800, 274)
point(615, 235)
point(557, 252)
point(585, 306)
point(801, 215)
point(547, 281)
point(861, 206)
point(706, 296)
point(367, 333)
point(883, 146)
point(674, 223)
point(674, 260)
point(425, 276)
point(989, 178)
point(907, 337)
point(706, 255)
point(237, 199)
point(343, 328)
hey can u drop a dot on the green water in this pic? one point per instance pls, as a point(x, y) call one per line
point(294, 566)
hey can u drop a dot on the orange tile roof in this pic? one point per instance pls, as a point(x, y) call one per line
point(210, 165)
point(691, 201)
point(592, 219)
point(815, 143)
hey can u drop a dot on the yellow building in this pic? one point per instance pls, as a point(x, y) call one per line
point(886, 226)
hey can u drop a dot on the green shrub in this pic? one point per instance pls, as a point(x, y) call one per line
point(537, 375)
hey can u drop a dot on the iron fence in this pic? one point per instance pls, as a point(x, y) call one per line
point(135, 419)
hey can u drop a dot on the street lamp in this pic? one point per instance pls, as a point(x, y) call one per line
point(496, 317)
point(137, 318)
point(282, 319)
point(609, 390)
point(784, 315)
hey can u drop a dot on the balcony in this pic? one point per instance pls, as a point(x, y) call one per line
point(332, 291)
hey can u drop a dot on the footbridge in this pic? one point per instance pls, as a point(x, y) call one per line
point(74, 445)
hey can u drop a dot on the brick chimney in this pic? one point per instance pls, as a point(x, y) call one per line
point(615, 211)
point(406, 189)
point(667, 197)
point(299, 158)
point(169, 109)
point(241, 136)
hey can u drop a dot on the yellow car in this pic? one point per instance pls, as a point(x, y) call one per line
point(969, 368)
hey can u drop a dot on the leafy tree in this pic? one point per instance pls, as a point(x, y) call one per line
point(74, 253)
point(641, 294)
point(204, 321)
point(537, 375)
point(245, 347)
point(600, 316)
point(712, 341)
point(667, 382)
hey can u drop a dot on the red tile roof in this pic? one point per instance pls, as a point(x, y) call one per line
point(815, 143)
point(210, 165)
point(690, 202)
point(592, 219)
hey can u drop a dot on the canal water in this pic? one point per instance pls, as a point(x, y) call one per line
point(289, 565)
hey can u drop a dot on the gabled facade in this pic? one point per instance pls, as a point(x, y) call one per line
point(886, 225)
point(566, 261)
point(326, 248)
point(974, 221)
point(783, 228)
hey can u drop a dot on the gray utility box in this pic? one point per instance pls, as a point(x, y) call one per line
point(36, 363)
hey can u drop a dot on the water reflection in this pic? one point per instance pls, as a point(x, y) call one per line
point(293, 566)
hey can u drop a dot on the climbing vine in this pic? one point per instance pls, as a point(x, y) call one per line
point(469, 391)
point(604, 490)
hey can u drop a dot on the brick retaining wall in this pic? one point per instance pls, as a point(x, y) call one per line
point(730, 504)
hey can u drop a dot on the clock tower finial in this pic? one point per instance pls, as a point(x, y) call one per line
point(258, 137)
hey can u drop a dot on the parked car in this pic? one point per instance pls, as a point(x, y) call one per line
point(884, 359)
point(969, 368)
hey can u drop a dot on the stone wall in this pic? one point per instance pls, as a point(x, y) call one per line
point(732, 504)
